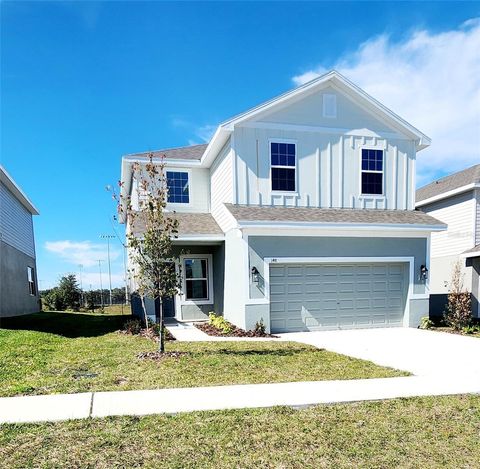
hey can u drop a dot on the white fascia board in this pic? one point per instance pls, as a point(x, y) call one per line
point(16, 191)
point(343, 84)
point(340, 226)
point(446, 195)
point(199, 238)
point(470, 254)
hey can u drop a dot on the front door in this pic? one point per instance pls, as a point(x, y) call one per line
point(169, 307)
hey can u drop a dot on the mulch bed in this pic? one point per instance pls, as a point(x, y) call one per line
point(237, 332)
point(157, 356)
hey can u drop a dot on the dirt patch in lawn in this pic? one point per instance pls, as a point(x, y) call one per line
point(158, 356)
point(235, 332)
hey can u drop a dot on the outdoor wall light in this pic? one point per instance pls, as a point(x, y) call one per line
point(255, 275)
point(423, 272)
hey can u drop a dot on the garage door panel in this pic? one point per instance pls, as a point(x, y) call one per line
point(333, 296)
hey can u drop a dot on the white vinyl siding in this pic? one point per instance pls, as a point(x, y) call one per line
point(477, 217)
point(199, 190)
point(458, 213)
point(16, 224)
point(221, 177)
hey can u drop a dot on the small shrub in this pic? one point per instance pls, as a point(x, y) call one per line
point(132, 326)
point(426, 323)
point(260, 327)
point(458, 313)
point(220, 323)
point(473, 329)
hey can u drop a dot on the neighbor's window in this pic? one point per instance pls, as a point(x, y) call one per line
point(372, 172)
point(177, 183)
point(31, 281)
point(283, 159)
point(196, 279)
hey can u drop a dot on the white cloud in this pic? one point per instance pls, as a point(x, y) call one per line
point(433, 81)
point(201, 134)
point(82, 252)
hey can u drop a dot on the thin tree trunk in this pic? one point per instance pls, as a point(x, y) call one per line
point(144, 311)
point(161, 342)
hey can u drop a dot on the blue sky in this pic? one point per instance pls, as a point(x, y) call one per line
point(83, 83)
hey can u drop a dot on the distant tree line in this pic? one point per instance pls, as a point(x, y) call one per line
point(68, 296)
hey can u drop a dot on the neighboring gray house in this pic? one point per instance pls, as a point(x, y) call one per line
point(301, 212)
point(18, 270)
point(455, 200)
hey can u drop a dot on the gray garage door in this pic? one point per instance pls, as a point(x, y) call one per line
point(337, 296)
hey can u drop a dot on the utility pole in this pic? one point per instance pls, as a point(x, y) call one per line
point(101, 285)
point(111, 189)
point(80, 267)
point(108, 238)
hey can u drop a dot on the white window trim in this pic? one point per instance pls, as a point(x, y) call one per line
point(283, 140)
point(32, 269)
point(324, 105)
point(189, 173)
point(370, 196)
point(183, 295)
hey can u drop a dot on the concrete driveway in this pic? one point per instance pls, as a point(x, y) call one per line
point(423, 353)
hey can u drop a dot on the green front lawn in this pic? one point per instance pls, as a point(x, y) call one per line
point(404, 433)
point(73, 352)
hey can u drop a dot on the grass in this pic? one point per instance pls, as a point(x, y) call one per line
point(52, 352)
point(407, 433)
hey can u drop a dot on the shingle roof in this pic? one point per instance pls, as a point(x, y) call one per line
point(448, 183)
point(189, 224)
point(192, 152)
point(474, 252)
point(331, 215)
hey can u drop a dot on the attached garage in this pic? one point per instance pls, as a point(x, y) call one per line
point(328, 296)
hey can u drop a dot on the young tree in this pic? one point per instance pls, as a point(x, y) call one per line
point(458, 313)
point(152, 252)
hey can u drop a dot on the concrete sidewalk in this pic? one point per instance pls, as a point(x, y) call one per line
point(102, 404)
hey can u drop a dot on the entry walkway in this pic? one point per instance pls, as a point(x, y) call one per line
point(171, 401)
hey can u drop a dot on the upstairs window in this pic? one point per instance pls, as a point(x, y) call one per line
point(283, 166)
point(177, 183)
point(31, 281)
point(372, 172)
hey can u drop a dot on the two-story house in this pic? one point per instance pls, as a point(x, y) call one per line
point(455, 200)
point(300, 213)
point(18, 278)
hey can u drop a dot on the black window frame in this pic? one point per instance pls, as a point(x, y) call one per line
point(174, 191)
point(371, 176)
point(280, 164)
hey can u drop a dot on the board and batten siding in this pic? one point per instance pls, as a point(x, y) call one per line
point(477, 217)
point(16, 223)
point(328, 169)
point(221, 181)
point(458, 212)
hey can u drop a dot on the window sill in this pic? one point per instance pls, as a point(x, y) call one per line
point(292, 193)
point(196, 302)
point(372, 196)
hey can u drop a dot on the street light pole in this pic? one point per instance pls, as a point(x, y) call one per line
point(108, 238)
point(101, 285)
point(80, 267)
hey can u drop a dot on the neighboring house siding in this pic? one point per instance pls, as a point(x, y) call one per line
point(221, 177)
point(328, 169)
point(16, 223)
point(458, 212)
